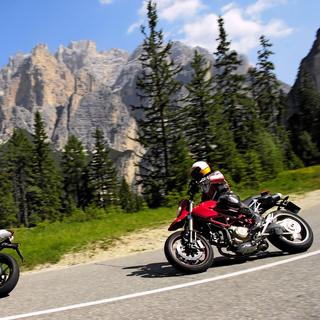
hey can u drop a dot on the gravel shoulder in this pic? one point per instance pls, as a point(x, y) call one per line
point(145, 240)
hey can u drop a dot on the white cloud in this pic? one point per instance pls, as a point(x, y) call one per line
point(277, 28)
point(245, 29)
point(105, 1)
point(179, 9)
point(228, 7)
point(241, 24)
point(259, 6)
point(195, 24)
point(170, 10)
point(202, 32)
point(134, 26)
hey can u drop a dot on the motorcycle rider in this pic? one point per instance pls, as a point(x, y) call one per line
point(214, 186)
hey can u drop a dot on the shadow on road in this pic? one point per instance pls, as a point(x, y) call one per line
point(154, 270)
point(164, 269)
point(225, 261)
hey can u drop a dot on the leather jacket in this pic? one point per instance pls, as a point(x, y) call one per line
point(213, 186)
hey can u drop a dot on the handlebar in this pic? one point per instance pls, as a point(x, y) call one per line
point(193, 189)
point(276, 197)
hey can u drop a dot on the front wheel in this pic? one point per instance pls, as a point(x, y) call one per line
point(188, 257)
point(297, 234)
point(9, 274)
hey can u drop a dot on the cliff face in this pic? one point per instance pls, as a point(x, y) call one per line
point(309, 65)
point(30, 83)
point(73, 91)
point(57, 86)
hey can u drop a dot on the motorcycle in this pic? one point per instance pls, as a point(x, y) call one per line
point(9, 268)
point(230, 231)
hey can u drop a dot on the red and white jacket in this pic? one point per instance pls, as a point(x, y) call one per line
point(213, 186)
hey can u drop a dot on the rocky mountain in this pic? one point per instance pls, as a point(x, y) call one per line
point(309, 65)
point(78, 89)
point(73, 90)
point(303, 118)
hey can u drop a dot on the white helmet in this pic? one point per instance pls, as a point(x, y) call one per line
point(199, 170)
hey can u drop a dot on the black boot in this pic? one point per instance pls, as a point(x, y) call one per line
point(257, 222)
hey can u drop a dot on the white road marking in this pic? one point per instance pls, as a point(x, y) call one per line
point(170, 288)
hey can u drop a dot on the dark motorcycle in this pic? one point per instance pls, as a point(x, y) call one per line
point(227, 228)
point(9, 268)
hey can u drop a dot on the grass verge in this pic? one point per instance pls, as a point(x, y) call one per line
point(47, 243)
point(291, 181)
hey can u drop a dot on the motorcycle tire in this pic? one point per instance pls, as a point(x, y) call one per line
point(198, 261)
point(9, 274)
point(300, 238)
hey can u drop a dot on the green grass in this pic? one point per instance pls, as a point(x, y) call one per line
point(47, 243)
point(292, 181)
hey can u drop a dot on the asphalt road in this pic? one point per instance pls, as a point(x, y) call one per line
point(146, 287)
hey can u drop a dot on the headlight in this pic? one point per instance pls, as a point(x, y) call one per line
point(179, 211)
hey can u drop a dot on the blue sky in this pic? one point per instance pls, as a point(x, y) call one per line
point(290, 25)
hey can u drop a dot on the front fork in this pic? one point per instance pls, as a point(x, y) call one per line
point(193, 243)
point(192, 236)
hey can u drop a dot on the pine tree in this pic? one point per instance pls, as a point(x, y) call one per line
point(304, 124)
point(199, 110)
point(18, 166)
point(248, 125)
point(74, 163)
point(290, 158)
point(126, 197)
point(180, 166)
point(228, 83)
point(266, 88)
point(8, 207)
point(102, 174)
point(270, 104)
point(253, 173)
point(48, 180)
point(233, 115)
point(306, 148)
point(157, 89)
point(271, 155)
point(225, 155)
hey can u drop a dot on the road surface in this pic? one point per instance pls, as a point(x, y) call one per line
point(146, 287)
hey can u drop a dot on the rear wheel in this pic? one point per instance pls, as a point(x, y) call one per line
point(297, 234)
point(188, 257)
point(9, 274)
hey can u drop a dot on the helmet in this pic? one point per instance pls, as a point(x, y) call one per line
point(199, 170)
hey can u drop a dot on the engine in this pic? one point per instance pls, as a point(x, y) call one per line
point(240, 234)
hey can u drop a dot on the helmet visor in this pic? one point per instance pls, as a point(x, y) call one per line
point(196, 174)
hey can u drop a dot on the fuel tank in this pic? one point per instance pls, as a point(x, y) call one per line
point(206, 210)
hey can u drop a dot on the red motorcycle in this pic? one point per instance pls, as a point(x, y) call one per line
point(211, 224)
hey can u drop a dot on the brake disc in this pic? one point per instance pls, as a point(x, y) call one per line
point(291, 226)
point(193, 255)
